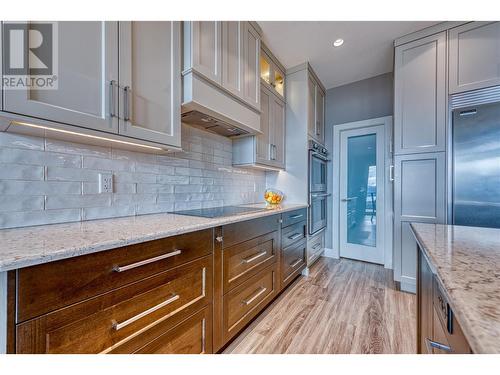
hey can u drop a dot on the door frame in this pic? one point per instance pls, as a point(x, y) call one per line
point(388, 184)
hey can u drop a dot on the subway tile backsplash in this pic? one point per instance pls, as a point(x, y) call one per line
point(45, 181)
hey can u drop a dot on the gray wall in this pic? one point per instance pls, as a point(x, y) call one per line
point(361, 100)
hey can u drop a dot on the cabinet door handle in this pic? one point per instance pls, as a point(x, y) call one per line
point(434, 344)
point(146, 261)
point(295, 236)
point(391, 173)
point(112, 109)
point(254, 257)
point(117, 326)
point(296, 262)
point(296, 216)
point(254, 297)
point(126, 103)
point(270, 151)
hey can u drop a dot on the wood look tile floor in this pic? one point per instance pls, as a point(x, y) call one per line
point(343, 306)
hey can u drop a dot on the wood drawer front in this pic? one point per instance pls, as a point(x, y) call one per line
point(293, 233)
point(293, 261)
point(245, 259)
point(246, 230)
point(192, 336)
point(124, 316)
point(50, 286)
point(247, 300)
point(293, 217)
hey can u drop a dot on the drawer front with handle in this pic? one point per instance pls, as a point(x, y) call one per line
point(121, 319)
point(245, 301)
point(235, 233)
point(293, 217)
point(315, 245)
point(192, 336)
point(293, 233)
point(245, 259)
point(293, 261)
point(50, 286)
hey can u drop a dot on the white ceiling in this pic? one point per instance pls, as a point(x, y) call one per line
point(367, 50)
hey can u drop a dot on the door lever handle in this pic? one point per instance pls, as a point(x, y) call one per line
point(347, 199)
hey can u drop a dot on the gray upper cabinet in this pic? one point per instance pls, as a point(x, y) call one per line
point(272, 73)
point(263, 141)
point(87, 90)
point(420, 95)
point(251, 56)
point(233, 72)
point(320, 115)
point(150, 81)
point(315, 109)
point(278, 132)
point(474, 56)
point(204, 53)
point(419, 196)
point(266, 150)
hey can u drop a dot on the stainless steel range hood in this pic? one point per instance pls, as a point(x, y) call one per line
point(206, 122)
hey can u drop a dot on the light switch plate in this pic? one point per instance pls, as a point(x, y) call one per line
point(105, 183)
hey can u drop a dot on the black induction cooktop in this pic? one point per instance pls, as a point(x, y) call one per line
point(219, 211)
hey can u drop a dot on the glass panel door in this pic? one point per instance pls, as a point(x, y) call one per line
point(265, 68)
point(361, 194)
point(362, 189)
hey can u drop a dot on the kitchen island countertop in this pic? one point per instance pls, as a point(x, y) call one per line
point(466, 261)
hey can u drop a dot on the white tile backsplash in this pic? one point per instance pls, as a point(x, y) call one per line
point(44, 181)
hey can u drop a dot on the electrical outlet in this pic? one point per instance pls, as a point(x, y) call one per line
point(105, 183)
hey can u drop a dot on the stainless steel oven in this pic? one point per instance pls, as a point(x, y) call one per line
point(318, 159)
point(317, 212)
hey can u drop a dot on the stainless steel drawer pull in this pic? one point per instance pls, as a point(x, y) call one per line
point(434, 344)
point(117, 326)
point(146, 261)
point(295, 236)
point(255, 296)
point(296, 216)
point(252, 258)
point(317, 245)
point(299, 260)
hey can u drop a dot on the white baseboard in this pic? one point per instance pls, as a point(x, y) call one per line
point(409, 284)
point(330, 253)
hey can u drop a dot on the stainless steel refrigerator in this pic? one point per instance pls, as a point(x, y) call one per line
point(476, 166)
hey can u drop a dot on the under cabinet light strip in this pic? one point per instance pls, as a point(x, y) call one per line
point(19, 123)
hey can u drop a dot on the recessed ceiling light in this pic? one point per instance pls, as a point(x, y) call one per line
point(338, 42)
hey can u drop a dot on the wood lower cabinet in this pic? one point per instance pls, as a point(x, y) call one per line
point(294, 246)
point(293, 262)
point(191, 336)
point(190, 293)
point(243, 303)
point(249, 257)
point(50, 286)
point(438, 331)
point(120, 320)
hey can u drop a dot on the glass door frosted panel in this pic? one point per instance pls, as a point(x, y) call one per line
point(362, 190)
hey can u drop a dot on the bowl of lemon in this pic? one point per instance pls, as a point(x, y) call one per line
point(273, 197)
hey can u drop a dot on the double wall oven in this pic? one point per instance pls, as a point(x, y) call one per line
point(318, 159)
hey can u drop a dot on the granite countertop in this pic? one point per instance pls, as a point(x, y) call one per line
point(467, 262)
point(22, 247)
